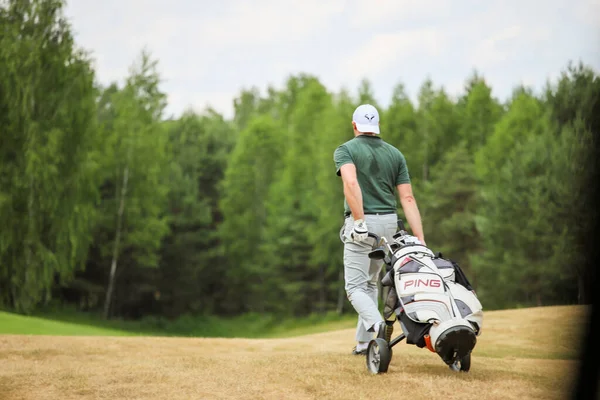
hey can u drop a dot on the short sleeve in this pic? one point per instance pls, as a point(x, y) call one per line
point(403, 176)
point(341, 156)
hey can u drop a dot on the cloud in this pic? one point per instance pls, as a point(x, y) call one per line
point(509, 43)
point(376, 12)
point(196, 42)
point(384, 50)
point(496, 48)
point(263, 22)
point(115, 32)
point(588, 12)
point(208, 51)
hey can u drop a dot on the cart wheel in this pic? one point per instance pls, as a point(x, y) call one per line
point(379, 356)
point(464, 364)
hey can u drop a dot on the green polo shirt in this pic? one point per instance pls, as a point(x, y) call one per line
point(380, 167)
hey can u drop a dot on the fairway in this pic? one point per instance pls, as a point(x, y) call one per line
point(522, 354)
point(15, 324)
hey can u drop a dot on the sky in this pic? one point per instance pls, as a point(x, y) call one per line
point(208, 51)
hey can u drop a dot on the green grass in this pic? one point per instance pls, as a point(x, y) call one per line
point(69, 322)
point(14, 324)
point(310, 325)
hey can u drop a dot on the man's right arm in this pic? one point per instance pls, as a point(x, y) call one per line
point(407, 199)
point(352, 191)
point(411, 210)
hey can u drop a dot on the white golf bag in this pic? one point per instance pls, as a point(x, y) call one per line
point(435, 304)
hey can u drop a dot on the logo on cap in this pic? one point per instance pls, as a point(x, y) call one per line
point(369, 117)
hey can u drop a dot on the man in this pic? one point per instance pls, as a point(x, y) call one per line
point(372, 171)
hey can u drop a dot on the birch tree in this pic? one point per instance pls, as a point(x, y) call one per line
point(47, 162)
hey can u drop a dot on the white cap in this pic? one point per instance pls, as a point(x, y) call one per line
point(366, 118)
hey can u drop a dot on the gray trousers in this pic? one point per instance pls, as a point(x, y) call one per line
point(361, 273)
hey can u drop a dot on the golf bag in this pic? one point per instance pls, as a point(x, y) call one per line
point(432, 299)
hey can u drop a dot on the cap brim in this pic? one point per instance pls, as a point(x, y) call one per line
point(367, 128)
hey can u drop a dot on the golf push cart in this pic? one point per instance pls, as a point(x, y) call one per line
point(432, 300)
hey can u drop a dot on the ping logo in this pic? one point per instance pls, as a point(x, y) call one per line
point(422, 283)
point(369, 117)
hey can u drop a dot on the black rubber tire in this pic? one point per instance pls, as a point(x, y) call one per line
point(465, 364)
point(379, 355)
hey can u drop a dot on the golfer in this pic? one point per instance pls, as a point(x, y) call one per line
point(372, 172)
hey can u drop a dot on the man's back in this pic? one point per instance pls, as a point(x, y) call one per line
point(380, 167)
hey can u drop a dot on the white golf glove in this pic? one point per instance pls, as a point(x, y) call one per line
point(360, 232)
point(407, 239)
point(412, 239)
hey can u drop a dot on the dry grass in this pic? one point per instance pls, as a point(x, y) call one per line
point(518, 356)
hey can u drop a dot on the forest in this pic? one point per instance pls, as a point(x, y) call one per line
point(113, 207)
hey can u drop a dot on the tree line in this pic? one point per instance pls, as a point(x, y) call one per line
point(111, 206)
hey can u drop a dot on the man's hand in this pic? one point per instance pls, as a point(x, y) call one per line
point(360, 232)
